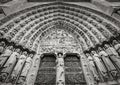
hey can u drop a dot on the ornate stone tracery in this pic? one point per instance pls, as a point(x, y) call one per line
point(60, 13)
point(60, 27)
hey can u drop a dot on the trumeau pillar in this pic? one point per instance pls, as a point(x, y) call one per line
point(88, 76)
point(31, 77)
point(60, 71)
point(103, 6)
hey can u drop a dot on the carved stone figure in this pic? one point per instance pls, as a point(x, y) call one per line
point(100, 65)
point(19, 65)
point(30, 79)
point(26, 69)
point(5, 55)
point(27, 66)
point(116, 45)
point(2, 47)
point(60, 70)
point(9, 65)
point(92, 67)
point(113, 55)
point(110, 67)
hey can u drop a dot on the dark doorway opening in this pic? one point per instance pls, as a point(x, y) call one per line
point(73, 70)
point(46, 74)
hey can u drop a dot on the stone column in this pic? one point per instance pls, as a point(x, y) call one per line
point(31, 77)
point(88, 76)
point(60, 73)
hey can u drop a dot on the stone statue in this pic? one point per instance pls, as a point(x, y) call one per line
point(2, 47)
point(27, 66)
point(60, 70)
point(92, 67)
point(19, 65)
point(113, 55)
point(116, 45)
point(60, 61)
point(5, 55)
point(26, 69)
point(100, 65)
point(105, 57)
point(9, 65)
point(30, 79)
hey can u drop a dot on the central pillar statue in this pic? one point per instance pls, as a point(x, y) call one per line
point(60, 75)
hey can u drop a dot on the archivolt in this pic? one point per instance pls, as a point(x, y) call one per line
point(88, 26)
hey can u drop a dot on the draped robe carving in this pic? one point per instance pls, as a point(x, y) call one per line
point(60, 70)
point(30, 79)
point(9, 65)
point(113, 56)
point(100, 65)
point(111, 68)
point(5, 55)
point(26, 67)
point(92, 68)
point(25, 70)
point(18, 66)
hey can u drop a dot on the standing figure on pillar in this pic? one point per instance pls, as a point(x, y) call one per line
point(26, 69)
point(100, 65)
point(6, 54)
point(2, 47)
point(30, 79)
point(92, 67)
point(9, 65)
point(19, 66)
point(60, 80)
point(116, 45)
point(113, 55)
point(110, 67)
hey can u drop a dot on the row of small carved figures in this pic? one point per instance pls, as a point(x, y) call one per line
point(63, 5)
point(43, 14)
point(104, 61)
point(15, 62)
point(12, 24)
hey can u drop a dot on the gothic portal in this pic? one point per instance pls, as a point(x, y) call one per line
point(59, 44)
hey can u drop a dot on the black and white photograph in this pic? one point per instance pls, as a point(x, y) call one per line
point(59, 42)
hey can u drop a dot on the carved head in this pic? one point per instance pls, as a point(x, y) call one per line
point(106, 45)
point(31, 55)
point(25, 53)
point(18, 50)
point(10, 47)
point(115, 42)
point(87, 54)
point(60, 55)
point(2, 43)
point(99, 49)
point(93, 52)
